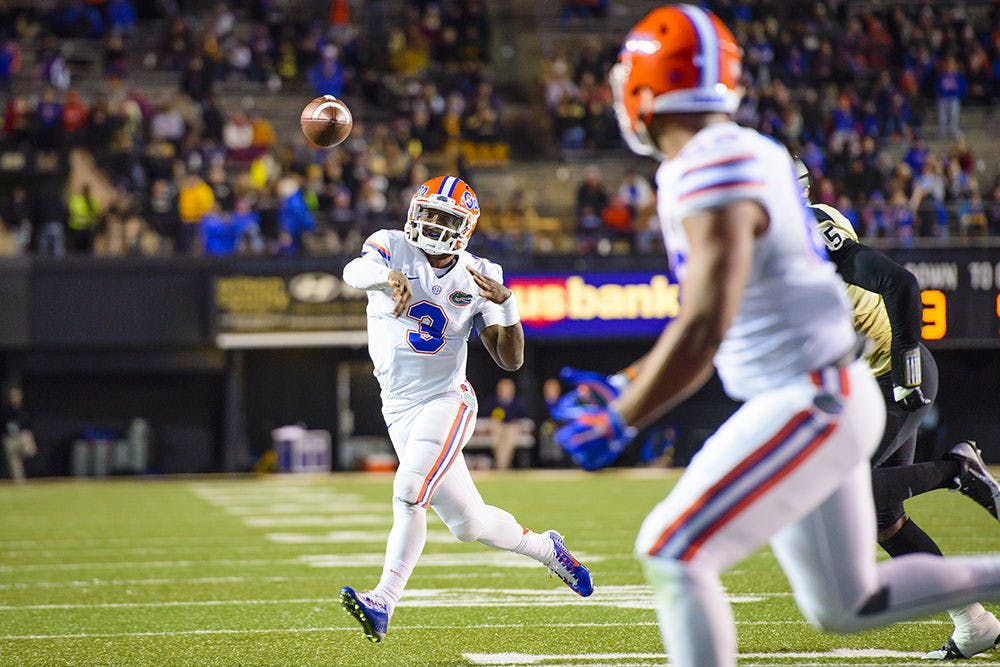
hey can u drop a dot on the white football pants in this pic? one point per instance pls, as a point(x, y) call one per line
point(428, 440)
point(790, 467)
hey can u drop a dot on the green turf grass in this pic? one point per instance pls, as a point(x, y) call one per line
point(222, 571)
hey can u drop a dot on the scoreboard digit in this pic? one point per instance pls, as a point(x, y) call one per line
point(935, 314)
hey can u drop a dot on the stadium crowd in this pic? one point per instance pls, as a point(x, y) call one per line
point(863, 94)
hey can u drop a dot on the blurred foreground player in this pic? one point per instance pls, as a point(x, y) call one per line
point(425, 293)
point(758, 298)
point(887, 311)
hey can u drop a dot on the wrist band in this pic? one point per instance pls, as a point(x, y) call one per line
point(911, 367)
point(508, 312)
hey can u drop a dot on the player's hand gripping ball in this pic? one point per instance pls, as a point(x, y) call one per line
point(326, 121)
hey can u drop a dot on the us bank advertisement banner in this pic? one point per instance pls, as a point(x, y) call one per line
point(594, 305)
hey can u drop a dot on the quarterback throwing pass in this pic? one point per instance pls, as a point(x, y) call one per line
point(425, 294)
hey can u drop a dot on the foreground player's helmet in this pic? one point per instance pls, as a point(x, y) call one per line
point(442, 216)
point(678, 59)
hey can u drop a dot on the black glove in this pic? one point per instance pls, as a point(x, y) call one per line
point(910, 398)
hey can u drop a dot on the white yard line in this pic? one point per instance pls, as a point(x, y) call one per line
point(855, 656)
point(318, 520)
point(278, 508)
point(552, 594)
point(93, 583)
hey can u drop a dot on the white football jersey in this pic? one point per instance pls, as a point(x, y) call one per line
point(795, 315)
point(422, 353)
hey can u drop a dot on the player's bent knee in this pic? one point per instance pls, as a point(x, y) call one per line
point(468, 529)
point(406, 487)
point(889, 519)
point(832, 617)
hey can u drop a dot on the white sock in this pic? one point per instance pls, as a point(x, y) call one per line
point(402, 550)
point(502, 531)
point(537, 546)
point(966, 616)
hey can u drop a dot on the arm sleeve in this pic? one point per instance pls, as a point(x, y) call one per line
point(363, 273)
point(872, 270)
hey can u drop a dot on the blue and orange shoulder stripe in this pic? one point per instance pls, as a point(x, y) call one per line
point(729, 172)
point(371, 246)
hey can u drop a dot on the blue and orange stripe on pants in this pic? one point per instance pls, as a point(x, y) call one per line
point(755, 475)
point(449, 452)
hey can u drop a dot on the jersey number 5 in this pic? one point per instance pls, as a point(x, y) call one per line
point(428, 337)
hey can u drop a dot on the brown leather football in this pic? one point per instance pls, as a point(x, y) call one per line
point(326, 121)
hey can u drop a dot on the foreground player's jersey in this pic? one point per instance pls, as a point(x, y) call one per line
point(870, 316)
point(422, 353)
point(795, 315)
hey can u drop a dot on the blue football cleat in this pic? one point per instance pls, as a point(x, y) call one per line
point(369, 610)
point(569, 569)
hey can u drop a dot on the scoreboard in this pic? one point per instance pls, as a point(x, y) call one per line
point(961, 296)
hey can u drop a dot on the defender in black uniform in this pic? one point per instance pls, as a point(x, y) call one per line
point(887, 310)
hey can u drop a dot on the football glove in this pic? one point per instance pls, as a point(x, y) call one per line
point(910, 398)
point(595, 436)
point(605, 388)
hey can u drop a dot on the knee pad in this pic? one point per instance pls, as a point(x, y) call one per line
point(467, 528)
point(406, 487)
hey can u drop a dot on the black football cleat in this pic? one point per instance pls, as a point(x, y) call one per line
point(974, 480)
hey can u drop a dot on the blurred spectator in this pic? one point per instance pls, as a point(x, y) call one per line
point(549, 451)
point(327, 75)
point(972, 219)
point(167, 123)
point(17, 217)
point(115, 57)
point(48, 120)
point(84, 219)
point(506, 412)
point(194, 200)
point(584, 9)
point(74, 119)
point(121, 17)
point(10, 64)
point(637, 193)
point(617, 219)
point(237, 136)
point(950, 90)
point(224, 234)
point(18, 437)
point(591, 199)
point(262, 134)
point(52, 68)
point(294, 218)
point(197, 82)
point(178, 44)
point(162, 212)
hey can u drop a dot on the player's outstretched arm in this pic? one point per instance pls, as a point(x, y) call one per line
point(365, 274)
point(717, 272)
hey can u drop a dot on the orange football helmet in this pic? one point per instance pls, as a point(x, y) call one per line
point(442, 216)
point(678, 59)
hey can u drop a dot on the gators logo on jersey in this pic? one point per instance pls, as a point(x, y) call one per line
point(460, 298)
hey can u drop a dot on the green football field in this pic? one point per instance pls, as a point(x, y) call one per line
point(227, 571)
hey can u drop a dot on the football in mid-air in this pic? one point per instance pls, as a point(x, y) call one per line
point(326, 121)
